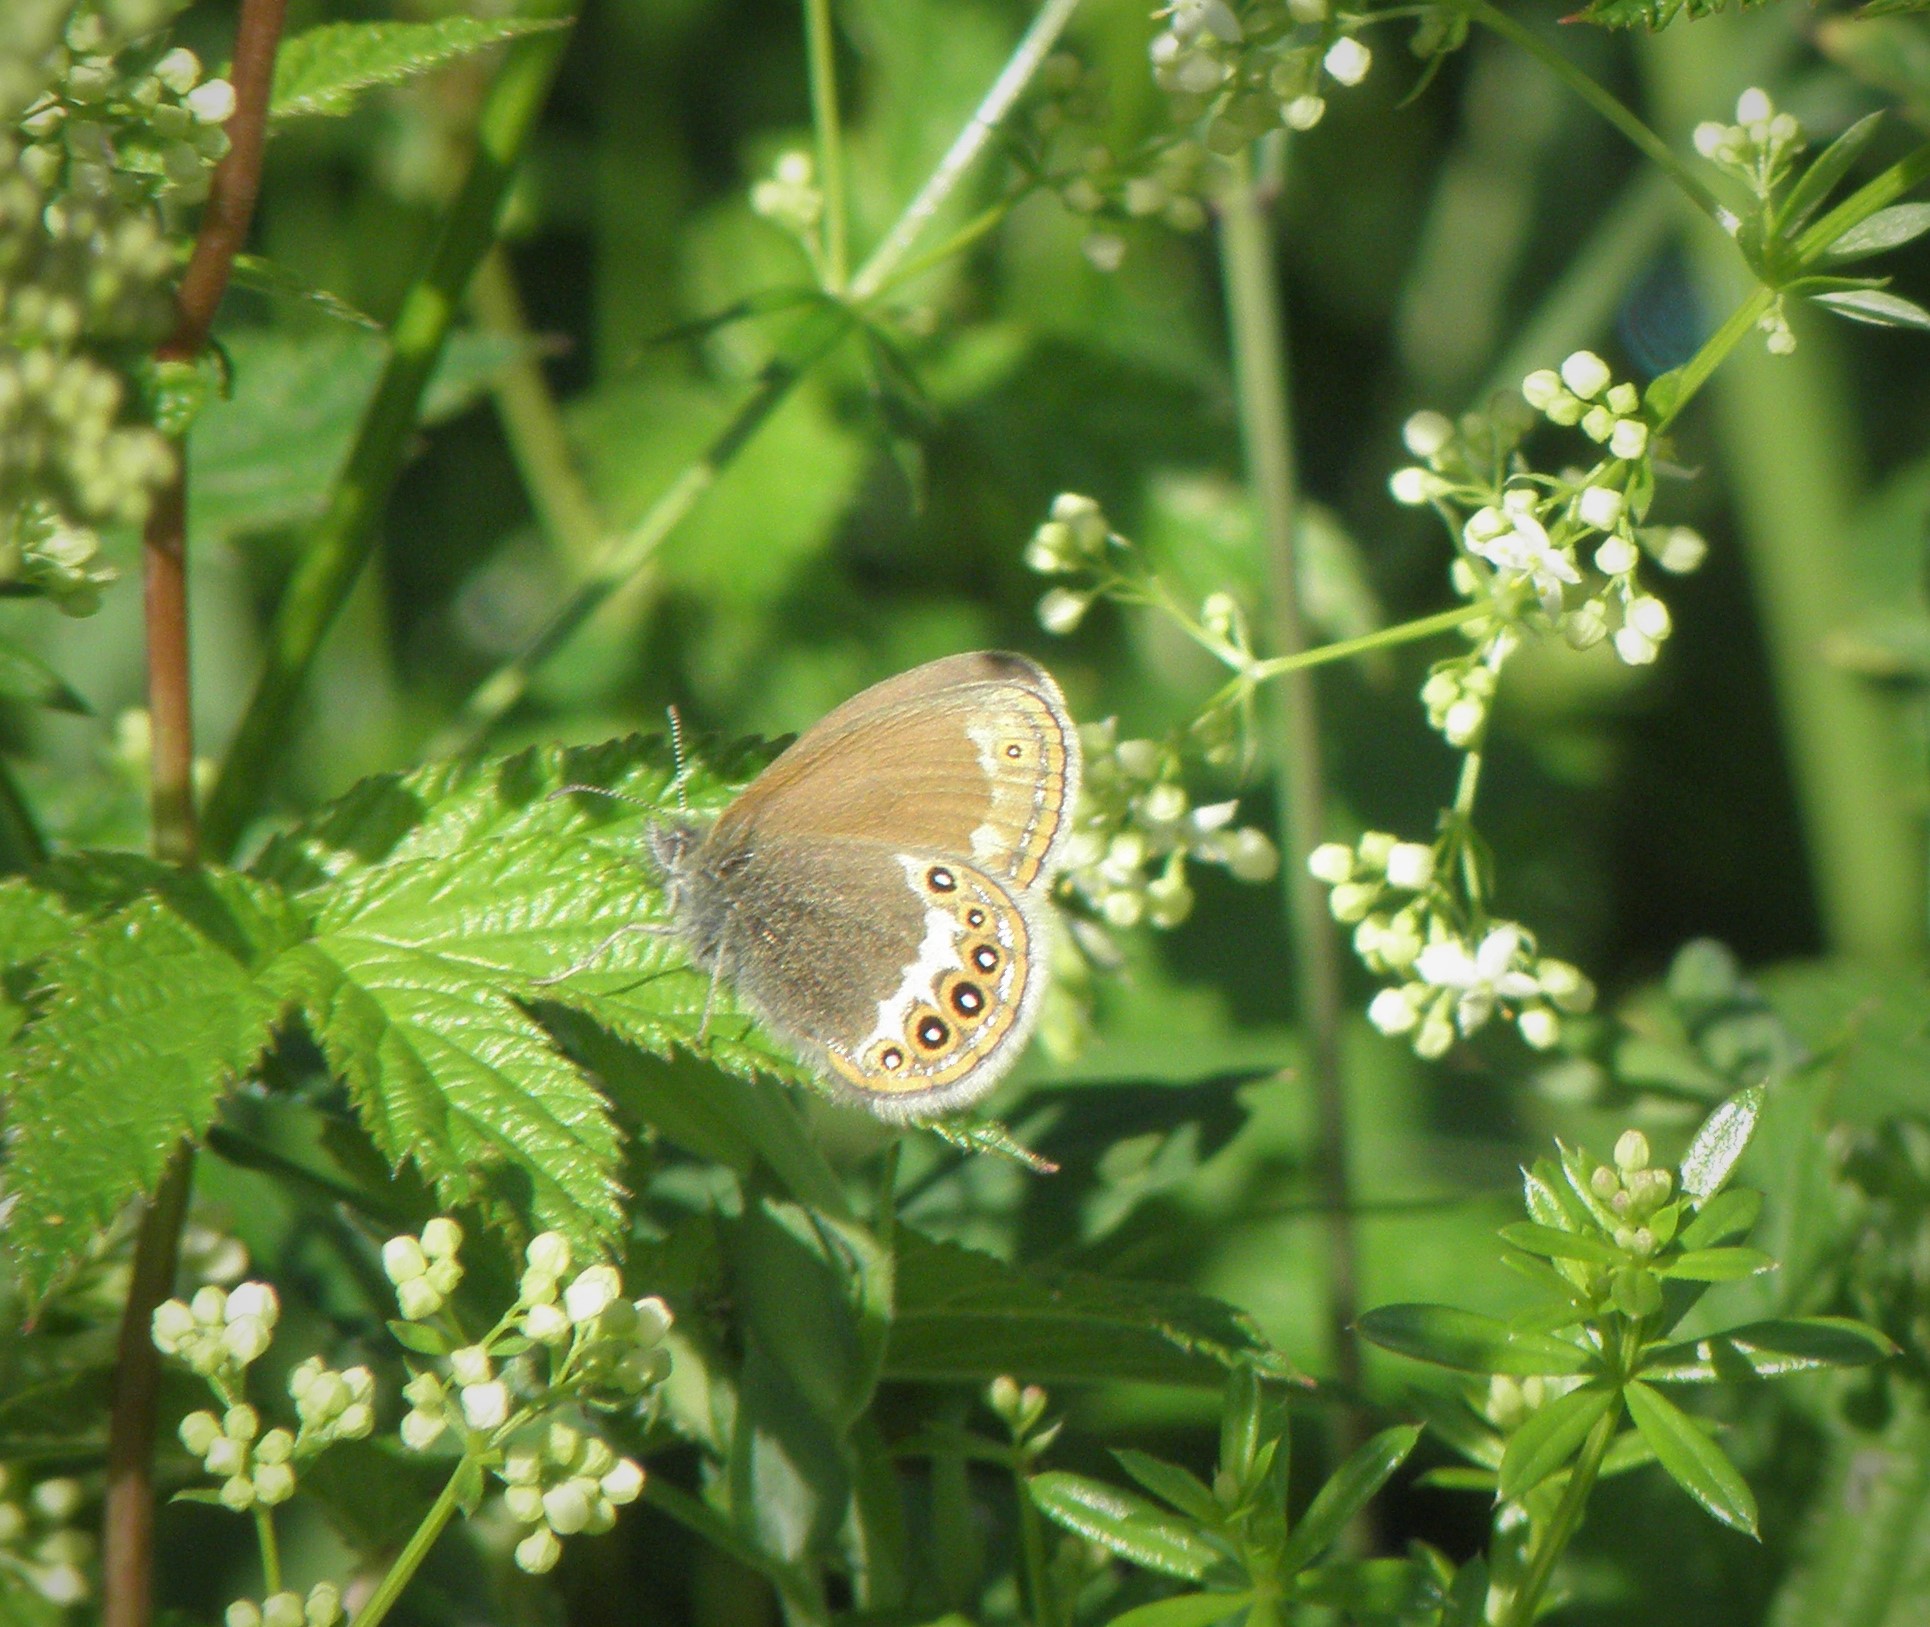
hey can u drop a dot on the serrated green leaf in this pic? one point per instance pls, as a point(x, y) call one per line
point(1817, 182)
point(1184, 1610)
point(961, 1314)
point(1712, 1155)
point(1768, 1350)
point(1550, 1436)
point(151, 1014)
point(1470, 1342)
point(28, 681)
point(1348, 1490)
point(1183, 1489)
point(324, 70)
point(1694, 1462)
point(1715, 1264)
point(1127, 1525)
point(1878, 308)
point(1552, 1243)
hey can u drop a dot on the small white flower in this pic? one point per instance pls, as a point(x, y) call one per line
point(538, 1552)
point(1629, 438)
point(1539, 1026)
point(1303, 112)
point(1586, 374)
point(282, 1610)
point(199, 1432)
point(1565, 985)
point(274, 1483)
point(623, 1483)
point(1393, 1011)
point(546, 1324)
point(1352, 899)
point(1426, 432)
point(420, 1429)
point(1250, 855)
point(593, 1290)
point(243, 1613)
point(441, 1238)
point(1601, 507)
point(1062, 609)
point(1347, 60)
point(324, 1605)
point(1542, 388)
point(1709, 137)
point(1649, 617)
point(178, 70)
point(567, 1508)
point(1753, 106)
point(1682, 550)
point(417, 1298)
point(173, 1323)
point(1615, 557)
point(1525, 551)
point(1464, 721)
point(486, 1406)
point(1412, 486)
point(1436, 1032)
point(470, 1365)
point(1480, 977)
point(1410, 866)
point(212, 102)
point(247, 1338)
point(549, 1253)
point(1194, 17)
point(254, 1300)
point(1634, 648)
point(403, 1260)
point(1331, 862)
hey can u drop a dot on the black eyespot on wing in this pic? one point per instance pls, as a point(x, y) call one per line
point(975, 918)
point(967, 999)
point(891, 1058)
point(1015, 751)
point(985, 957)
point(931, 1031)
point(941, 880)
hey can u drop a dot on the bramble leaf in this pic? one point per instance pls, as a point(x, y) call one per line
point(323, 70)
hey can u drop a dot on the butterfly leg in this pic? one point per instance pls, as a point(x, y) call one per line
point(654, 928)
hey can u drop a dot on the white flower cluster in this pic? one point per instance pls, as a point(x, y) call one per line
point(99, 148)
point(1450, 980)
point(1075, 540)
point(424, 1270)
point(601, 1349)
point(252, 1467)
point(1241, 72)
point(1758, 150)
point(789, 197)
point(562, 1483)
point(1525, 542)
point(320, 1607)
point(218, 1332)
point(1136, 828)
point(1633, 1192)
point(39, 1542)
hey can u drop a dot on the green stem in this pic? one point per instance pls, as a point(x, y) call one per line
point(1257, 332)
point(531, 422)
point(1386, 638)
point(1017, 73)
point(1640, 136)
point(822, 57)
point(345, 536)
point(1038, 1578)
point(22, 847)
point(1555, 1536)
point(409, 1561)
point(270, 1550)
point(630, 553)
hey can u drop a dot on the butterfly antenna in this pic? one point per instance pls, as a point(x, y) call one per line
point(677, 755)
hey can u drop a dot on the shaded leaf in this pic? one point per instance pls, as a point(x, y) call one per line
point(1470, 1342)
point(1180, 1487)
point(1886, 229)
point(1127, 1525)
point(29, 681)
point(1732, 1212)
point(1550, 1436)
point(1813, 187)
point(1768, 1350)
point(1184, 1610)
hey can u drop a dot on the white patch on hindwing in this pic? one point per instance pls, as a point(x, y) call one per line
point(938, 953)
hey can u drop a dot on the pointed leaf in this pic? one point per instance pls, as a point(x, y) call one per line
point(1694, 1462)
point(1715, 1264)
point(1184, 1610)
point(324, 70)
point(1370, 1587)
point(1348, 1490)
point(1732, 1212)
point(1886, 229)
point(1183, 1489)
point(1768, 1350)
point(1712, 1155)
point(1817, 182)
point(1554, 1244)
point(152, 1014)
point(1877, 308)
point(1549, 1437)
point(1128, 1526)
point(1469, 1342)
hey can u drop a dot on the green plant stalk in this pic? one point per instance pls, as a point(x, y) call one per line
point(409, 1561)
point(1032, 50)
point(270, 1550)
point(1640, 136)
point(633, 551)
point(344, 538)
point(1560, 1530)
point(1038, 1575)
point(22, 847)
point(1786, 429)
point(531, 422)
point(1259, 360)
point(1385, 638)
point(821, 54)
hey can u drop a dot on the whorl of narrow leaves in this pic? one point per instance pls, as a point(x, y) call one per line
point(411, 928)
point(324, 70)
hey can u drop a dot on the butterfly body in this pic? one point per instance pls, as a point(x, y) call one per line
point(878, 894)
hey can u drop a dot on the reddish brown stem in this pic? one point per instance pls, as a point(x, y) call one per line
point(127, 1559)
